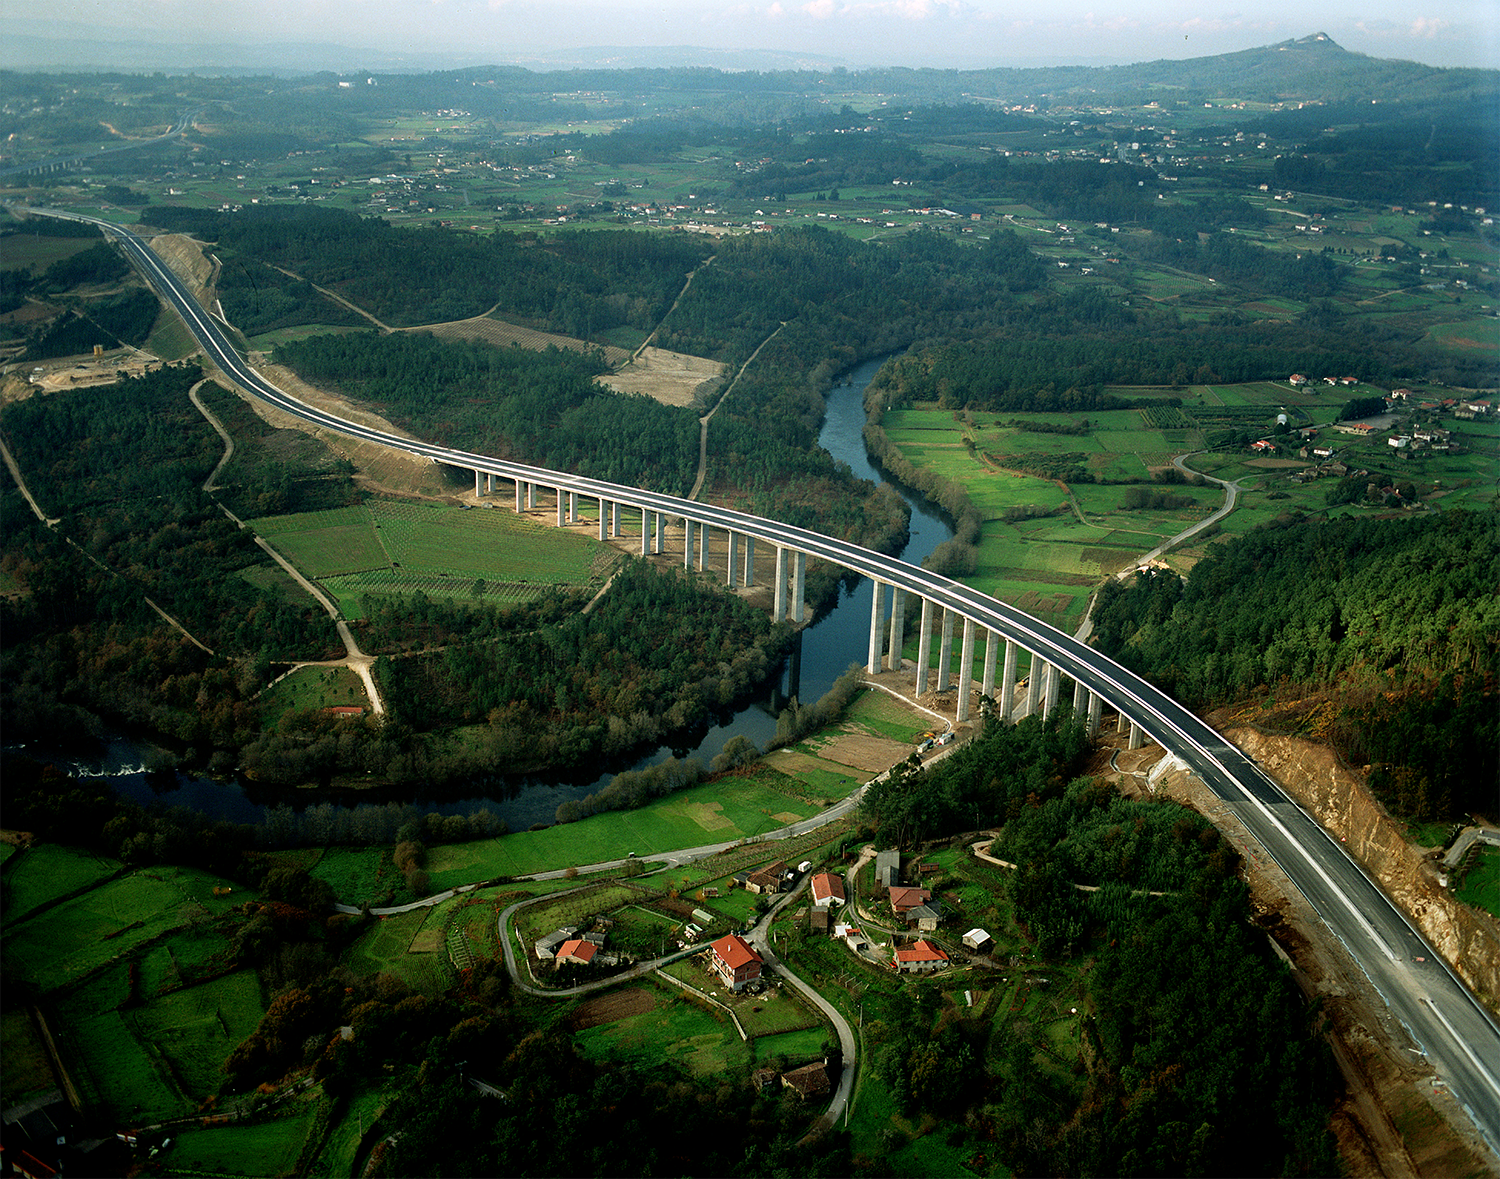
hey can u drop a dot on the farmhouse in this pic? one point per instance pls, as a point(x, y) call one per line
point(811, 1080)
point(546, 948)
point(887, 869)
point(768, 879)
point(577, 951)
point(925, 916)
point(734, 961)
point(827, 890)
point(904, 899)
point(920, 958)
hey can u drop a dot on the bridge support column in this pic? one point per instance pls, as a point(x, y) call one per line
point(799, 584)
point(924, 646)
point(945, 652)
point(520, 497)
point(687, 543)
point(614, 519)
point(703, 547)
point(778, 611)
point(1137, 736)
point(531, 497)
point(1033, 681)
point(1080, 698)
point(1096, 710)
point(478, 489)
point(603, 518)
point(572, 507)
point(661, 533)
point(645, 533)
point(872, 662)
point(898, 629)
point(562, 507)
point(1054, 685)
point(749, 561)
point(966, 670)
point(731, 546)
point(1123, 724)
point(991, 655)
point(1008, 683)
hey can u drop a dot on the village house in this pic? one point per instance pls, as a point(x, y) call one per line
point(577, 951)
point(734, 961)
point(904, 898)
point(767, 880)
point(926, 917)
point(922, 957)
point(1261, 446)
point(1297, 380)
point(887, 869)
point(827, 890)
point(977, 940)
point(811, 1080)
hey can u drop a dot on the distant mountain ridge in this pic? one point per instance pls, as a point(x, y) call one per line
point(1310, 69)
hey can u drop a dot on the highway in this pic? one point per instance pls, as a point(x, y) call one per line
point(1458, 1036)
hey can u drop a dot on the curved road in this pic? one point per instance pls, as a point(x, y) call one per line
point(1460, 1037)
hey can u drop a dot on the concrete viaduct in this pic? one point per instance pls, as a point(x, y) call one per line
point(894, 596)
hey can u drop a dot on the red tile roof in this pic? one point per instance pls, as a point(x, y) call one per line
point(733, 951)
point(909, 898)
point(827, 886)
point(577, 949)
point(922, 951)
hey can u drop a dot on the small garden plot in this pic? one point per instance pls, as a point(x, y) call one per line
point(799, 1045)
point(882, 714)
point(195, 1029)
point(48, 872)
point(576, 908)
point(612, 1006)
point(268, 1148)
point(733, 902)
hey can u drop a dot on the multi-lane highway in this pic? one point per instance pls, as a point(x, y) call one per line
point(1460, 1038)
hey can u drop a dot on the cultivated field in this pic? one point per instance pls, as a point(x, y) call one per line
point(394, 547)
point(503, 335)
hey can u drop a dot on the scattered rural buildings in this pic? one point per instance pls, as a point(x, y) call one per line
point(811, 1080)
point(576, 951)
point(546, 948)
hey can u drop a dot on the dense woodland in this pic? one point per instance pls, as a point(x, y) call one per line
point(1399, 617)
point(1183, 1075)
point(543, 408)
point(84, 640)
point(577, 284)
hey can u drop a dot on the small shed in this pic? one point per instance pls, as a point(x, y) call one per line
point(977, 940)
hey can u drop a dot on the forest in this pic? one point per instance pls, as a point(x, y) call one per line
point(1183, 1075)
point(83, 641)
point(1398, 616)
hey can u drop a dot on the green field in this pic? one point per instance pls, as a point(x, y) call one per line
point(315, 687)
point(195, 1029)
point(266, 1148)
point(717, 812)
point(71, 939)
point(702, 1042)
point(394, 547)
point(1481, 883)
point(45, 873)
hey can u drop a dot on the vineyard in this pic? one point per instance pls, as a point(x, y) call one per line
point(1166, 417)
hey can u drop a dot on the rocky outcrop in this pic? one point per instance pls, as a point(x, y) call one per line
point(1327, 789)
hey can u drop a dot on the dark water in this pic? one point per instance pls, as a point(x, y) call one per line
point(827, 648)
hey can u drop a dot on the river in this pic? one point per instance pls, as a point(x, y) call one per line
point(827, 648)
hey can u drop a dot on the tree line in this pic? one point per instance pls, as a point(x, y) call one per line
point(1399, 616)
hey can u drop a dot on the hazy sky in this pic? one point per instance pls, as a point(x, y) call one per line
point(858, 32)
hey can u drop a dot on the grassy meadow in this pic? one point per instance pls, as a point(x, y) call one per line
point(394, 547)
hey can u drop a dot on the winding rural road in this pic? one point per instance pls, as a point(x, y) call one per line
point(1458, 1035)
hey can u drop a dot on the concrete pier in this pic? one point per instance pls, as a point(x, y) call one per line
point(687, 543)
point(872, 662)
point(945, 652)
point(778, 611)
point(1137, 736)
point(965, 671)
point(799, 586)
point(1008, 682)
point(924, 646)
point(991, 655)
point(749, 561)
point(1096, 710)
point(898, 629)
